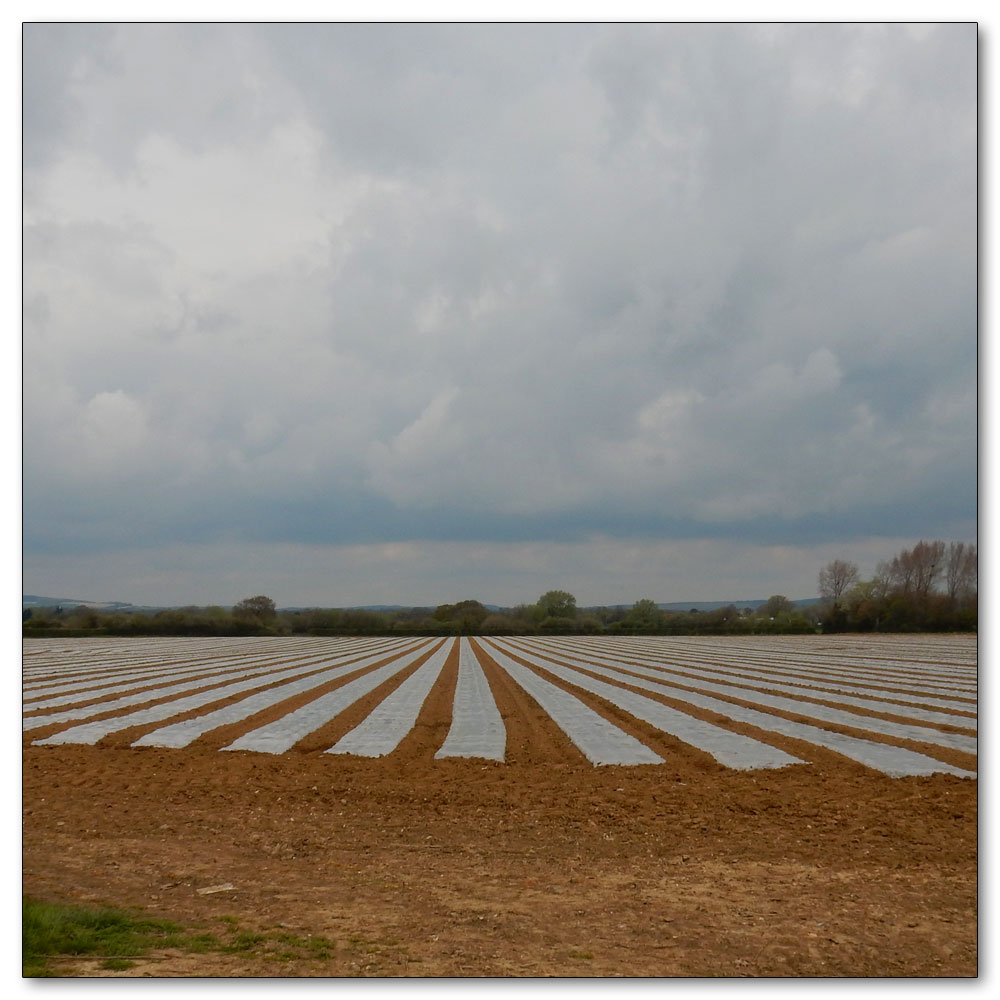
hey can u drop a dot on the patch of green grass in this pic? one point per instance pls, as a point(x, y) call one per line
point(200, 944)
point(244, 941)
point(312, 943)
point(51, 930)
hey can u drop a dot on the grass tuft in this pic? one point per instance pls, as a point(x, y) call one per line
point(53, 930)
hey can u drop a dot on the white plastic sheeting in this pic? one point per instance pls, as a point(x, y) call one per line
point(789, 685)
point(892, 760)
point(284, 733)
point(600, 741)
point(795, 658)
point(805, 708)
point(156, 682)
point(477, 729)
point(180, 734)
point(388, 724)
point(92, 684)
point(731, 749)
point(91, 732)
point(150, 690)
point(167, 653)
point(887, 684)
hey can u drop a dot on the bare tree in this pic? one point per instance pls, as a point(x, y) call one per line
point(962, 571)
point(928, 559)
point(836, 578)
point(914, 572)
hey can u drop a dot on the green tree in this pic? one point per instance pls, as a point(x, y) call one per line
point(864, 605)
point(465, 617)
point(644, 616)
point(360, 621)
point(499, 624)
point(83, 616)
point(258, 609)
point(556, 604)
point(775, 605)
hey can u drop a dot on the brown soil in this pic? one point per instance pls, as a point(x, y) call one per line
point(541, 866)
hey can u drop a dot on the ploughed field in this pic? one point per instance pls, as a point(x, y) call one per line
point(519, 806)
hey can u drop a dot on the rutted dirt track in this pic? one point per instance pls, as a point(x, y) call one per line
point(541, 865)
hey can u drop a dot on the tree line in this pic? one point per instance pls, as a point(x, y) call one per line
point(554, 613)
point(931, 587)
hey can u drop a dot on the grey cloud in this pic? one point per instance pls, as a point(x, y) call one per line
point(343, 282)
point(105, 88)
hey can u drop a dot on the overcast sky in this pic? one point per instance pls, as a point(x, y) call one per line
point(352, 314)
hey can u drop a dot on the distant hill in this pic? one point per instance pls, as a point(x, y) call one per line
point(377, 607)
point(39, 601)
point(714, 605)
point(705, 605)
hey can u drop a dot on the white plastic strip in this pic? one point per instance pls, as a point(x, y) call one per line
point(122, 676)
point(892, 760)
point(253, 678)
point(132, 654)
point(807, 709)
point(135, 692)
point(728, 748)
point(284, 733)
point(756, 680)
point(180, 734)
point(598, 740)
point(477, 729)
point(384, 729)
point(801, 658)
point(91, 732)
point(886, 683)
